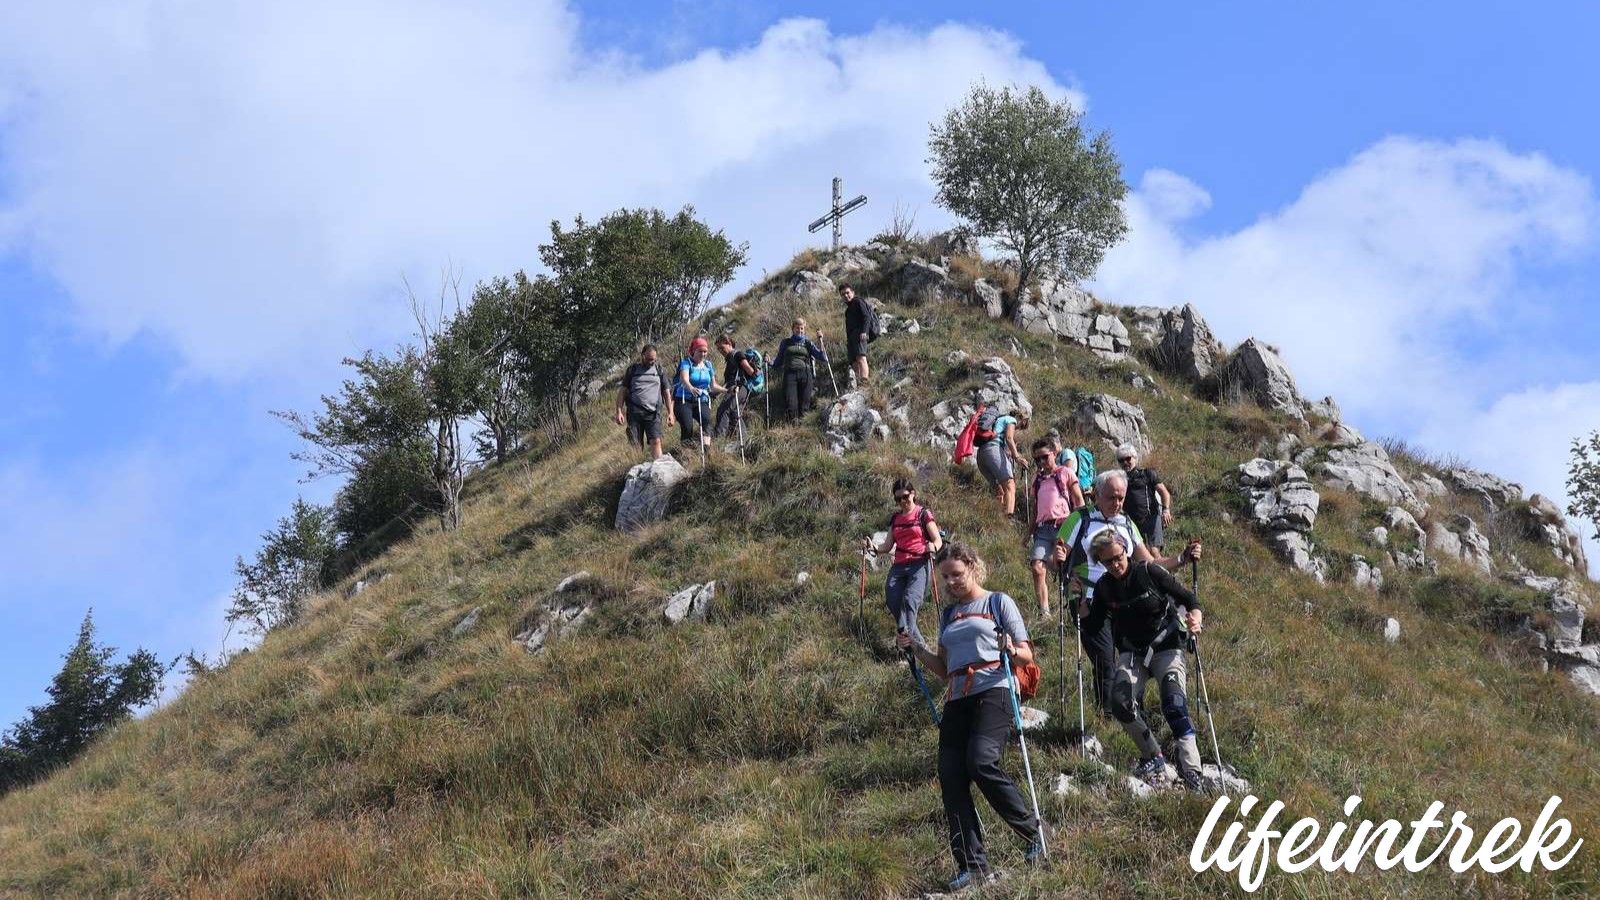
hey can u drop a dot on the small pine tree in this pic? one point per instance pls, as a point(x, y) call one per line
point(87, 697)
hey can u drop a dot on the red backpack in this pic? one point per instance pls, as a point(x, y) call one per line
point(967, 441)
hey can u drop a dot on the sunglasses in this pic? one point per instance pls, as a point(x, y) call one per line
point(1043, 457)
point(1114, 560)
point(903, 496)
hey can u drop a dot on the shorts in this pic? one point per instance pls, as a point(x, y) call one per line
point(995, 463)
point(856, 344)
point(643, 425)
point(1044, 540)
point(1151, 529)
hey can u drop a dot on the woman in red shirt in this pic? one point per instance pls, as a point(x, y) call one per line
point(914, 538)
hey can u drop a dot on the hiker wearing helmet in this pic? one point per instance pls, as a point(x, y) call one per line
point(998, 455)
point(1149, 503)
point(977, 720)
point(914, 538)
point(696, 385)
point(855, 333)
point(641, 399)
point(1052, 490)
point(793, 359)
point(1072, 542)
point(742, 376)
point(1142, 601)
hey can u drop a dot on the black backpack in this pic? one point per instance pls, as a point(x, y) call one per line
point(873, 321)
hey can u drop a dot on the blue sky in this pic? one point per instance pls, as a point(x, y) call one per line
point(203, 208)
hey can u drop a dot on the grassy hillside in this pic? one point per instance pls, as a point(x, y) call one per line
point(769, 751)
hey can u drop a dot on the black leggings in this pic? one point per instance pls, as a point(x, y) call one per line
point(797, 392)
point(1102, 654)
point(972, 736)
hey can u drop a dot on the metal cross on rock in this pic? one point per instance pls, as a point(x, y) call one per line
point(837, 214)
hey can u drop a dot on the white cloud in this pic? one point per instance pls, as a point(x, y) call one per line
point(1361, 279)
point(1372, 276)
point(250, 181)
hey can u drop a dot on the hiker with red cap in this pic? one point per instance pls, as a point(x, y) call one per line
point(691, 394)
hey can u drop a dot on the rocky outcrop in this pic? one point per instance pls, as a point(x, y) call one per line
point(467, 623)
point(1427, 487)
point(690, 603)
point(647, 491)
point(956, 242)
point(1282, 502)
point(1542, 521)
point(849, 264)
point(1115, 420)
point(563, 613)
point(1258, 373)
point(1000, 388)
point(1495, 492)
point(920, 283)
point(852, 422)
point(988, 297)
point(1459, 538)
point(1391, 630)
point(1180, 342)
point(1068, 313)
point(1364, 468)
point(811, 285)
point(1364, 574)
point(1581, 665)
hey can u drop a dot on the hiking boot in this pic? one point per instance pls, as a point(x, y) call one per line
point(1151, 770)
point(1035, 852)
point(968, 879)
point(1191, 780)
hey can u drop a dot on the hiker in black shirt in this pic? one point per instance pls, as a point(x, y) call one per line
point(1141, 603)
point(644, 394)
point(855, 334)
point(1149, 503)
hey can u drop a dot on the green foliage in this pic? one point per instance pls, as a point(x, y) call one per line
point(1583, 480)
point(88, 696)
point(290, 566)
point(1021, 168)
point(376, 431)
point(636, 275)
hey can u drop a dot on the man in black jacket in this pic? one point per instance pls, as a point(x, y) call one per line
point(855, 334)
point(1141, 602)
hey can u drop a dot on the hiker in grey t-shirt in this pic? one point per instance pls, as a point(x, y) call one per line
point(641, 400)
point(977, 721)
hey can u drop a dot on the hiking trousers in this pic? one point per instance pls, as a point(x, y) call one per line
point(1102, 654)
point(735, 402)
point(797, 392)
point(903, 591)
point(1127, 699)
point(694, 416)
point(972, 735)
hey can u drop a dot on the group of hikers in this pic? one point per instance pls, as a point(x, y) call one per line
point(1100, 534)
point(1133, 618)
point(648, 394)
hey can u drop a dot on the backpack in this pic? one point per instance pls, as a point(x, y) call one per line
point(873, 322)
point(1028, 675)
point(967, 440)
point(987, 417)
point(633, 372)
point(1085, 468)
point(797, 355)
point(757, 382)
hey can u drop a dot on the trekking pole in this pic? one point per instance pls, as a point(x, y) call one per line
point(1077, 641)
point(1016, 717)
point(766, 394)
point(738, 418)
point(831, 380)
point(700, 425)
point(916, 675)
point(1200, 673)
point(861, 600)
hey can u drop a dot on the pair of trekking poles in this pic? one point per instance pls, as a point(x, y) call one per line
point(1192, 644)
point(911, 656)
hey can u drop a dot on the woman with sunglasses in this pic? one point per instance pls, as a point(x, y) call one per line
point(914, 538)
point(975, 627)
point(1141, 602)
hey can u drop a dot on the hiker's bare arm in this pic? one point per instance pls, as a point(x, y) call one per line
point(930, 529)
point(1021, 653)
point(1166, 504)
